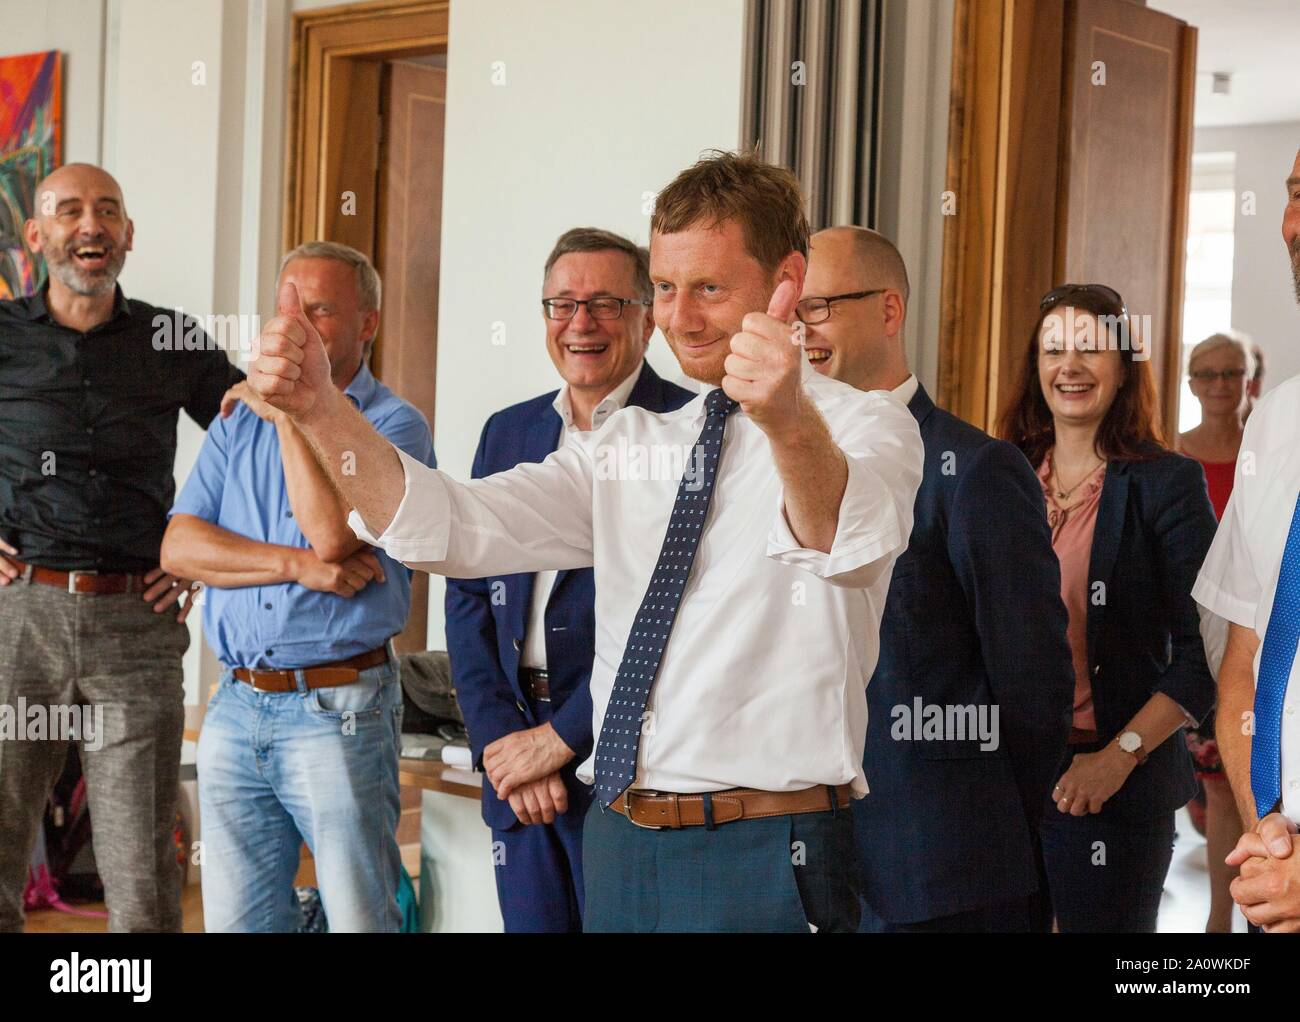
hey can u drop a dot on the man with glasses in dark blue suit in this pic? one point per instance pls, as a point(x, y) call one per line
point(521, 645)
point(969, 705)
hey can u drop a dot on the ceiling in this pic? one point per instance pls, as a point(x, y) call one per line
point(1258, 43)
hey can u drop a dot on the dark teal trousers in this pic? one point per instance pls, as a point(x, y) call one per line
point(774, 875)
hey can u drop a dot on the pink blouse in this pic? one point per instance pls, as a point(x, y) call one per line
point(1072, 531)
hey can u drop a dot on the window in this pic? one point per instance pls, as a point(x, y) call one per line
point(1207, 298)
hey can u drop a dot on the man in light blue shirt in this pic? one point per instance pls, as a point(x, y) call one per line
point(300, 740)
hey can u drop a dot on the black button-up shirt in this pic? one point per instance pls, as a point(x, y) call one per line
point(88, 431)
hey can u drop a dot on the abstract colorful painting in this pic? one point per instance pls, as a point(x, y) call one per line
point(31, 145)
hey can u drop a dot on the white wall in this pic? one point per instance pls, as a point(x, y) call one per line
point(1263, 299)
point(628, 115)
point(77, 28)
point(917, 67)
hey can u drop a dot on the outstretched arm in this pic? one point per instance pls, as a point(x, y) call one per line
point(531, 518)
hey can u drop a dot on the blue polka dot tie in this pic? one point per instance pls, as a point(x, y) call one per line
point(1274, 673)
point(620, 734)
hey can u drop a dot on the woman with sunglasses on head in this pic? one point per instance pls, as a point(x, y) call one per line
point(1221, 370)
point(1131, 524)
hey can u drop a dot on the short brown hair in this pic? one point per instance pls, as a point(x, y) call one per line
point(1131, 428)
point(593, 239)
point(764, 199)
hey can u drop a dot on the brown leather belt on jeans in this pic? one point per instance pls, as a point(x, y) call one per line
point(658, 809)
point(85, 583)
point(341, 672)
point(536, 683)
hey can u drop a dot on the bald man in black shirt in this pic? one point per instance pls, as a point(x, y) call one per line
point(91, 629)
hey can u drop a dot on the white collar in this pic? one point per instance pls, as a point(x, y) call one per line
point(906, 390)
point(608, 405)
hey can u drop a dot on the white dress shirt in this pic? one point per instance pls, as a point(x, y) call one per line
point(1239, 577)
point(763, 682)
point(533, 653)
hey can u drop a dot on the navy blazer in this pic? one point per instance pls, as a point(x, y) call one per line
point(974, 618)
point(1154, 527)
point(486, 617)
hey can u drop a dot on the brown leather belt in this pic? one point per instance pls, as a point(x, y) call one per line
point(1078, 736)
point(536, 683)
point(85, 583)
point(657, 809)
point(341, 672)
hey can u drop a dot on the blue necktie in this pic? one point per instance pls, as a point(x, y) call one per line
point(620, 734)
point(1274, 673)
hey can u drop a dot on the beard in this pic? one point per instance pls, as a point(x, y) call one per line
point(1295, 268)
point(704, 370)
point(61, 264)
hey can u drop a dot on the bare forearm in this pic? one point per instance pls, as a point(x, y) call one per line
point(1236, 703)
point(1159, 718)
point(194, 548)
point(358, 462)
point(317, 506)
point(814, 474)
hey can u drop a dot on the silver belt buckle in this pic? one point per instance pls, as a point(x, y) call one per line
point(627, 803)
point(72, 579)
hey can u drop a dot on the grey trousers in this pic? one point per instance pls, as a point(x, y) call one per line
point(119, 664)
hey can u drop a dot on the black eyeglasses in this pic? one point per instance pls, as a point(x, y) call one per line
point(1061, 296)
point(599, 308)
point(1226, 375)
point(818, 310)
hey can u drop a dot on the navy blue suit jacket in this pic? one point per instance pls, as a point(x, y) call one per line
point(974, 618)
point(486, 617)
point(1155, 525)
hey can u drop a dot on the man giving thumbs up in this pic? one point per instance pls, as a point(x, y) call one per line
point(739, 600)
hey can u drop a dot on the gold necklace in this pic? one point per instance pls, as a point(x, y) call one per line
point(1065, 494)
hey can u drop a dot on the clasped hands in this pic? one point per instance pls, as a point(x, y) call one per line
point(1268, 887)
point(524, 769)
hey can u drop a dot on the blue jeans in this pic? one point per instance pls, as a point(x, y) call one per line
point(278, 768)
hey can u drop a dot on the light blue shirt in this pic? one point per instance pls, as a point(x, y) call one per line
point(238, 483)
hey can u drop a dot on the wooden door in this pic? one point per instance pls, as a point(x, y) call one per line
point(1122, 216)
point(1069, 149)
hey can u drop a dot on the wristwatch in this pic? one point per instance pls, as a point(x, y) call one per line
point(1131, 742)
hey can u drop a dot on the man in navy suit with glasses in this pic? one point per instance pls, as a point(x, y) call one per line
point(522, 645)
point(969, 705)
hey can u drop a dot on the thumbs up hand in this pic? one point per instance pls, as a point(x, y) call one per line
point(290, 369)
point(765, 364)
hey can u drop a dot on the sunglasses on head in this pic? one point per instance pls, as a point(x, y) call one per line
point(1061, 296)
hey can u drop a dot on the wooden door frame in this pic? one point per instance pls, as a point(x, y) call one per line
point(332, 143)
point(335, 58)
point(1003, 113)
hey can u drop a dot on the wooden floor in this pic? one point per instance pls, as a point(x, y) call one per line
point(51, 921)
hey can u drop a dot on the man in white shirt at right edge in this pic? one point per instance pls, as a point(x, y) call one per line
point(1251, 578)
point(739, 597)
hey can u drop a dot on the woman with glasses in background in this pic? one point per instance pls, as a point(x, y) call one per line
point(1131, 524)
point(1221, 369)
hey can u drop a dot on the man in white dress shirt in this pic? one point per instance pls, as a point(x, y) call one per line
point(522, 645)
point(1247, 581)
point(722, 794)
